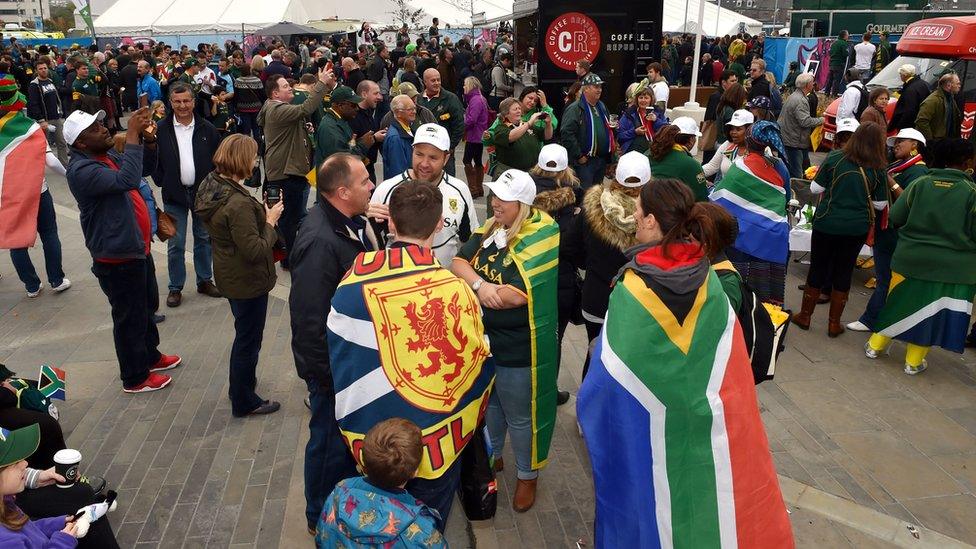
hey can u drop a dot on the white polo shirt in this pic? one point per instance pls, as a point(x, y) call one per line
point(184, 141)
point(460, 218)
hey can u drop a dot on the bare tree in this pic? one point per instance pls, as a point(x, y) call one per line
point(404, 12)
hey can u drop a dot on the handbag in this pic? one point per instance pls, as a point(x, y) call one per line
point(871, 214)
point(165, 225)
point(709, 135)
point(478, 490)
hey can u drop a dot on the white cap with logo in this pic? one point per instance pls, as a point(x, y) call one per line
point(513, 186)
point(433, 134)
point(741, 118)
point(553, 158)
point(633, 170)
point(847, 125)
point(78, 122)
point(686, 126)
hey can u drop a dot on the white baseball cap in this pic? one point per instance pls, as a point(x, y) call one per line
point(687, 125)
point(513, 186)
point(741, 118)
point(78, 122)
point(433, 134)
point(553, 158)
point(907, 133)
point(633, 165)
point(847, 125)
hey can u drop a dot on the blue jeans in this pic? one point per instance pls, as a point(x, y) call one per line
point(794, 161)
point(47, 229)
point(882, 274)
point(510, 410)
point(176, 248)
point(327, 458)
point(592, 173)
point(438, 493)
point(835, 81)
point(249, 317)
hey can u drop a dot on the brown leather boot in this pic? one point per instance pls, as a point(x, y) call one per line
point(524, 495)
point(475, 183)
point(837, 302)
point(802, 319)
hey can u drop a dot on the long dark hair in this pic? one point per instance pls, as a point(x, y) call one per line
point(866, 148)
point(665, 139)
point(735, 98)
point(679, 216)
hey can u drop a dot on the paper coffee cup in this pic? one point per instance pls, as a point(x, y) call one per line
point(66, 463)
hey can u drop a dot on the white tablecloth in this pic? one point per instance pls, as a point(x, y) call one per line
point(800, 241)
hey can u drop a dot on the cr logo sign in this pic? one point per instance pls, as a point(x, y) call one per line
point(572, 37)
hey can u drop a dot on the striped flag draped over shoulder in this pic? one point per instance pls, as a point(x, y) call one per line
point(22, 149)
point(406, 340)
point(754, 192)
point(671, 422)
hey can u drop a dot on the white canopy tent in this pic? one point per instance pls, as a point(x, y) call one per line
point(718, 21)
point(141, 17)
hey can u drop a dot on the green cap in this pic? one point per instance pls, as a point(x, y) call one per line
point(592, 79)
point(19, 444)
point(190, 62)
point(344, 94)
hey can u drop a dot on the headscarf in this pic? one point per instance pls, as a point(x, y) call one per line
point(766, 134)
point(10, 97)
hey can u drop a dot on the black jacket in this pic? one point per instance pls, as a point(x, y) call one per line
point(760, 87)
point(354, 77)
point(206, 139)
point(906, 108)
point(129, 77)
point(104, 206)
point(324, 250)
point(376, 70)
point(596, 245)
point(43, 100)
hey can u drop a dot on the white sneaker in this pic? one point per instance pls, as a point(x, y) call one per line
point(65, 284)
point(857, 326)
point(872, 354)
point(34, 294)
point(915, 370)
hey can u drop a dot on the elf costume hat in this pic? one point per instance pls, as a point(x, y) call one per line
point(19, 444)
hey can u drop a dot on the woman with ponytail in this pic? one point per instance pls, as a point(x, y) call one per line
point(670, 154)
point(670, 342)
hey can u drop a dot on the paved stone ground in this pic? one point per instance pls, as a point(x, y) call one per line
point(190, 475)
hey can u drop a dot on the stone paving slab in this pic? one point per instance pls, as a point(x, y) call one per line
point(190, 475)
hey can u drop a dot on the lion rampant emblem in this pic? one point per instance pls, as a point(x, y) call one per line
point(430, 326)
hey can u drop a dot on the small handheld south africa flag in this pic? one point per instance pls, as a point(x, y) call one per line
point(51, 382)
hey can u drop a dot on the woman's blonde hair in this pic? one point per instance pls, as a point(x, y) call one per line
point(472, 83)
point(772, 78)
point(524, 211)
point(235, 156)
point(565, 178)
point(11, 517)
point(257, 64)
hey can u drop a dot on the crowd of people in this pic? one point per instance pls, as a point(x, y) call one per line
point(415, 323)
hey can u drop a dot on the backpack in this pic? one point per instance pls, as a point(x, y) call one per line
point(862, 103)
point(764, 328)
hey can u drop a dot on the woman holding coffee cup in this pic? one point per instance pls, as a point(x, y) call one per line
point(243, 236)
point(16, 529)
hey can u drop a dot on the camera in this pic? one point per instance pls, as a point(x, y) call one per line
point(273, 195)
point(321, 62)
point(544, 116)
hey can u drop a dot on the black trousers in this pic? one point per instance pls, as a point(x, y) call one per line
point(249, 317)
point(832, 259)
point(293, 195)
point(52, 438)
point(133, 294)
point(51, 501)
point(592, 332)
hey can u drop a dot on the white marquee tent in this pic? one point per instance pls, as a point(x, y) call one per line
point(718, 21)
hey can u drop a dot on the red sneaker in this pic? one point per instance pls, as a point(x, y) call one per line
point(154, 382)
point(166, 362)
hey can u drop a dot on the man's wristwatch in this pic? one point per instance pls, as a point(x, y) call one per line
point(476, 285)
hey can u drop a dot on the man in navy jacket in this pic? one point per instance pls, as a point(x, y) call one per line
point(116, 223)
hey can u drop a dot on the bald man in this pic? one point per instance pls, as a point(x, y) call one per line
point(351, 73)
point(447, 109)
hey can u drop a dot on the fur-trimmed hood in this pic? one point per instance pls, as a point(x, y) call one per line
point(614, 226)
point(554, 200)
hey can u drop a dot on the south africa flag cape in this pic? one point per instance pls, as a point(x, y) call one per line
point(669, 413)
point(535, 251)
point(22, 149)
point(406, 340)
point(754, 192)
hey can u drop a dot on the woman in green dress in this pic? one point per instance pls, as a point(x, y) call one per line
point(933, 270)
point(670, 154)
point(518, 142)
